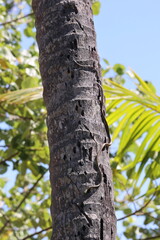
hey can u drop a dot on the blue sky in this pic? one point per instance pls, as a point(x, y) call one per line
point(128, 32)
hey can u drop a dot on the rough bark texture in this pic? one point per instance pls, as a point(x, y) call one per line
point(80, 174)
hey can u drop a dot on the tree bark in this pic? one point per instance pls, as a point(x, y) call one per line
point(80, 174)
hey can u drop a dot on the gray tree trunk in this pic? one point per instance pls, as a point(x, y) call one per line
point(80, 174)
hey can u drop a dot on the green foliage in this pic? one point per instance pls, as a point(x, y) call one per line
point(135, 156)
point(133, 115)
point(96, 5)
point(24, 184)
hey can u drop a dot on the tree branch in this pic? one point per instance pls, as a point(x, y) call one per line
point(30, 190)
point(16, 19)
point(36, 233)
point(149, 238)
point(9, 158)
point(22, 201)
point(149, 215)
point(130, 198)
point(16, 115)
point(20, 116)
point(4, 226)
point(137, 211)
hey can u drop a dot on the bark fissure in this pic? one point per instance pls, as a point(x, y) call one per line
point(80, 175)
point(80, 207)
point(101, 229)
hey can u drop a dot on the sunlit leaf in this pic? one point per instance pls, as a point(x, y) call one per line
point(119, 68)
point(22, 96)
point(96, 7)
point(3, 63)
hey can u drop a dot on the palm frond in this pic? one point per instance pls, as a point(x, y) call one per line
point(22, 95)
point(136, 115)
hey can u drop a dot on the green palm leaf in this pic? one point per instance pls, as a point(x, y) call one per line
point(136, 115)
point(22, 95)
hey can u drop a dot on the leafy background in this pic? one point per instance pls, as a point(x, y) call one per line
point(134, 117)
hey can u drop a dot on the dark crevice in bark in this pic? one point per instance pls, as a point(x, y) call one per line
point(80, 207)
point(101, 229)
point(79, 144)
point(112, 233)
point(76, 108)
point(82, 113)
point(69, 8)
point(84, 150)
point(104, 178)
point(90, 154)
point(79, 102)
point(73, 44)
point(74, 149)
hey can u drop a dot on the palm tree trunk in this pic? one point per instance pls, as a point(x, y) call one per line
point(80, 174)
